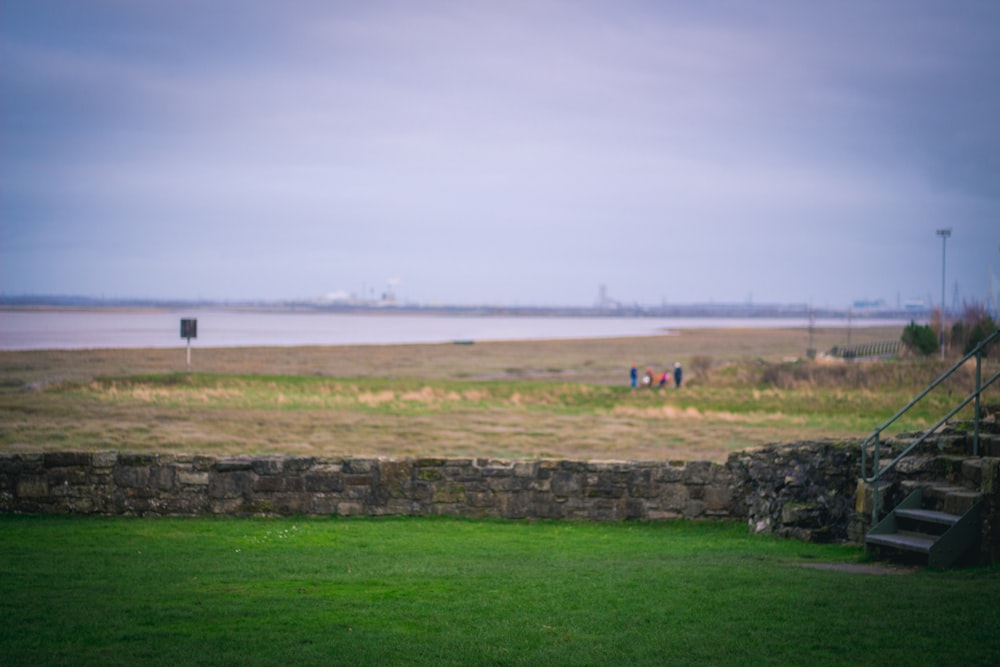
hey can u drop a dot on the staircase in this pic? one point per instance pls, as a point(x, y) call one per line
point(915, 528)
point(941, 506)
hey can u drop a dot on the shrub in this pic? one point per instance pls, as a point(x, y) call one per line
point(972, 328)
point(980, 332)
point(701, 364)
point(920, 338)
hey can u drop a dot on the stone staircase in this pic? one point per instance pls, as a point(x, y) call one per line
point(938, 500)
point(941, 538)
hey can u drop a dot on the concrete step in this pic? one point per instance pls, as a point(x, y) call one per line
point(906, 541)
point(928, 516)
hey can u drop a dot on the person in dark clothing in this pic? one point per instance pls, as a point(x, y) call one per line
point(634, 375)
point(678, 374)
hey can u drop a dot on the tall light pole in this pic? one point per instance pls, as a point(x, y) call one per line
point(944, 234)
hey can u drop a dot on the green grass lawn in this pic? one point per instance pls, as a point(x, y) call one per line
point(394, 591)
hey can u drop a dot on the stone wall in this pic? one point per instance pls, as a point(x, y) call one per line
point(803, 490)
point(151, 484)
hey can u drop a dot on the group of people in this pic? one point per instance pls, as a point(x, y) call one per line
point(649, 380)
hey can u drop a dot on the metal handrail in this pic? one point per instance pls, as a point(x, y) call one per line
point(877, 471)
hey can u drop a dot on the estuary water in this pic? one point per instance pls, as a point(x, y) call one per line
point(93, 329)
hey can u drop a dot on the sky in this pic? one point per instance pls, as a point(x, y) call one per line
point(516, 152)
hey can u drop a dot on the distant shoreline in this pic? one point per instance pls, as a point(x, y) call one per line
point(112, 328)
point(701, 311)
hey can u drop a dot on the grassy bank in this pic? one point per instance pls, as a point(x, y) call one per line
point(437, 592)
point(557, 399)
point(230, 414)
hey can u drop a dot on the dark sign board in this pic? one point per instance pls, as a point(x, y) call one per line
point(189, 329)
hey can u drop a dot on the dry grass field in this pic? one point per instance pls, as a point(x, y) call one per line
point(594, 361)
point(561, 399)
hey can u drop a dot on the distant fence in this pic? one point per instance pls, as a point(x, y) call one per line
point(883, 348)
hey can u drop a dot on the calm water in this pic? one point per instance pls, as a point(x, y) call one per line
point(42, 330)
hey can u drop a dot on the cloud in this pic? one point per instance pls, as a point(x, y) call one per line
point(511, 152)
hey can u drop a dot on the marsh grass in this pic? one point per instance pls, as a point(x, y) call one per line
point(405, 591)
point(226, 414)
point(560, 399)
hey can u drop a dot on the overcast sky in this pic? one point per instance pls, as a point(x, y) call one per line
point(500, 152)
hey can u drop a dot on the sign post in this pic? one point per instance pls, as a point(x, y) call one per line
point(189, 330)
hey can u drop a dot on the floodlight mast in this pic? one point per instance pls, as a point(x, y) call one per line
point(944, 234)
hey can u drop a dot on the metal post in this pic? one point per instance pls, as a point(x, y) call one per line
point(944, 234)
point(189, 355)
point(979, 388)
point(875, 477)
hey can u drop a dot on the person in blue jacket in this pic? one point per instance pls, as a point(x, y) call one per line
point(634, 375)
point(677, 375)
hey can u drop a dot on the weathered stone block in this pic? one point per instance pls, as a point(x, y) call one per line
point(604, 510)
point(635, 508)
point(429, 474)
point(805, 515)
point(641, 483)
point(103, 459)
point(990, 472)
point(718, 498)
point(269, 484)
point(132, 459)
point(422, 492)
point(566, 483)
point(189, 478)
point(972, 471)
point(67, 476)
point(512, 505)
point(203, 463)
point(32, 487)
point(234, 484)
point(694, 509)
point(350, 509)
point(525, 468)
point(296, 483)
point(226, 506)
point(494, 470)
point(272, 465)
point(989, 445)
point(449, 493)
point(162, 477)
point(323, 504)
point(131, 476)
point(83, 505)
point(604, 491)
point(358, 480)
point(324, 482)
point(509, 484)
point(361, 466)
point(480, 499)
point(395, 475)
point(673, 497)
point(234, 464)
point(960, 502)
point(698, 472)
point(294, 464)
point(290, 503)
point(462, 473)
point(64, 459)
